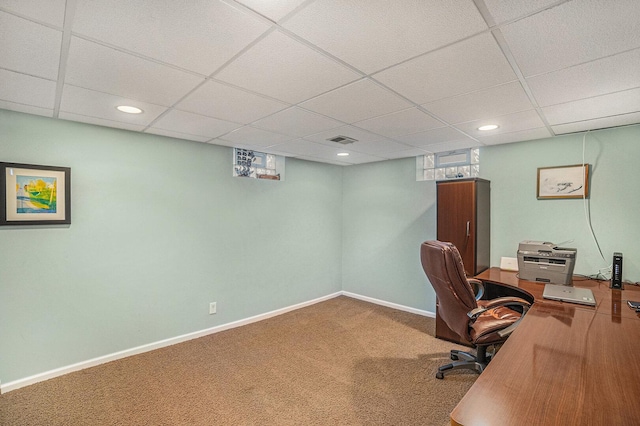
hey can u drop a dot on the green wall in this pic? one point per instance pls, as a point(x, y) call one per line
point(614, 202)
point(160, 228)
point(387, 215)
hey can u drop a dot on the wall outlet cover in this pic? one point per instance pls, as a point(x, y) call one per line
point(509, 264)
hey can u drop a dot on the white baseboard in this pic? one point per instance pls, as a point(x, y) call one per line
point(390, 304)
point(17, 384)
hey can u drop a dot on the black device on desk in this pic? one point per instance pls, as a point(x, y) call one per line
point(616, 272)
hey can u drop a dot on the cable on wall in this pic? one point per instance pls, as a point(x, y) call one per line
point(603, 273)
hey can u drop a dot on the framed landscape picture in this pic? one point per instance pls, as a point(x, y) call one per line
point(34, 195)
point(563, 182)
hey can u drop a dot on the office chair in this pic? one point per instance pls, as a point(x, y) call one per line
point(482, 323)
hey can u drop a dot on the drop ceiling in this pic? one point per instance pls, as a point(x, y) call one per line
point(403, 78)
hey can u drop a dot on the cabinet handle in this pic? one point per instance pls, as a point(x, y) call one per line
point(468, 228)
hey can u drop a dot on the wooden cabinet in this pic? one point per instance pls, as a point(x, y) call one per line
point(464, 219)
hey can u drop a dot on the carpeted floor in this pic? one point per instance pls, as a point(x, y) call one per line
point(339, 362)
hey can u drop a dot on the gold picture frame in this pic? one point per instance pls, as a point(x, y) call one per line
point(563, 182)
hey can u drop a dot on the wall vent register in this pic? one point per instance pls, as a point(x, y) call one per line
point(344, 140)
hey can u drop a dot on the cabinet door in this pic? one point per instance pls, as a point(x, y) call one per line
point(457, 219)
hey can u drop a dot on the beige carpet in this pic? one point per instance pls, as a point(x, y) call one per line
point(339, 362)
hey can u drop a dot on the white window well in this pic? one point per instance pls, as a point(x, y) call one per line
point(458, 164)
point(257, 165)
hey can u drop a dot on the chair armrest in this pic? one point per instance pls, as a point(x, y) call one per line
point(479, 287)
point(502, 301)
point(495, 303)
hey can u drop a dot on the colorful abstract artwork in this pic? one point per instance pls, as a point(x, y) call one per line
point(34, 195)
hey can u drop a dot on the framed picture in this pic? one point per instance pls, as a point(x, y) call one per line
point(563, 182)
point(34, 195)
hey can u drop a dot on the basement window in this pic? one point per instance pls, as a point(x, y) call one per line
point(458, 164)
point(257, 165)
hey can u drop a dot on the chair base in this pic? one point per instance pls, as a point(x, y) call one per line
point(467, 361)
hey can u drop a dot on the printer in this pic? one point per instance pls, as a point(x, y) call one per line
point(545, 262)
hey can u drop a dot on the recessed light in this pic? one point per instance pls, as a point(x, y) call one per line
point(129, 109)
point(488, 127)
point(343, 154)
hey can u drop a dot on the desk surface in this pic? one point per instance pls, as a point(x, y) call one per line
point(565, 364)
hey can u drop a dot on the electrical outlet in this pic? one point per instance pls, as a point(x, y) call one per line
point(212, 308)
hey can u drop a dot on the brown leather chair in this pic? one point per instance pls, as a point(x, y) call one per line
point(483, 323)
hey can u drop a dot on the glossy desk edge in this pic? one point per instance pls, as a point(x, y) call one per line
point(610, 308)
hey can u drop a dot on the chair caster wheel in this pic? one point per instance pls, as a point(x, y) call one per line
point(439, 375)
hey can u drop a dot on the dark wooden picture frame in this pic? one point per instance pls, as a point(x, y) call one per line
point(34, 195)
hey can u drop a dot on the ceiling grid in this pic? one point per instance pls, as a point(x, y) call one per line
point(283, 77)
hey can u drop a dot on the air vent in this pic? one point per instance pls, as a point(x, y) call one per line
point(344, 140)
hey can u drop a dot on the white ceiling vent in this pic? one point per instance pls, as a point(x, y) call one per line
point(344, 140)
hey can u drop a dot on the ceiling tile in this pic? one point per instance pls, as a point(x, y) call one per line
point(274, 10)
point(331, 154)
point(178, 135)
point(256, 137)
point(469, 65)
point(29, 47)
point(502, 10)
point(349, 131)
point(452, 145)
point(612, 74)
point(519, 136)
point(431, 137)
point(573, 33)
point(24, 89)
point(412, 152)
point(598, 123)
point(84, 102)
point(507, 123)
point(297, 122)
point(399, 123)
point(255, 147)
point(81, 118)
point(257, 74)
point(219, 100)
point(356, 158)
point(50, 11)
point(376, 147)
point(282, 68)
point(357, 101)
point(487, 103)
point(302, 147)
point(100, 68)
point(612, 104)
point(28, 109)
point(381, 35)
point(193, 124)
point(322, 160)
point(213, 31)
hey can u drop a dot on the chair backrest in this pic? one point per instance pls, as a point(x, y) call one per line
point(443, 265)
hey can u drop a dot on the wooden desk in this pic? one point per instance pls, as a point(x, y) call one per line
point(565, 363)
